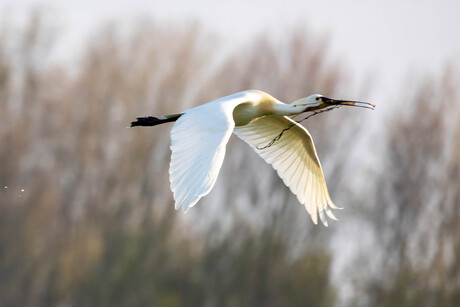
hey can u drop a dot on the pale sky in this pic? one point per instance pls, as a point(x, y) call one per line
point(388, 39)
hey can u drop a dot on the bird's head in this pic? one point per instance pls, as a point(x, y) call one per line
point(317, 101)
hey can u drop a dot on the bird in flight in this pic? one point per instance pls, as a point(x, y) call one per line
point(200, 135)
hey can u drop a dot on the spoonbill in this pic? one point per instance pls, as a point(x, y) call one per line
point(200, 135)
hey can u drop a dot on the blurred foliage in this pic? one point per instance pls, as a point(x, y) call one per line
point(414, 212)
point(87, 218)
point(86, 215)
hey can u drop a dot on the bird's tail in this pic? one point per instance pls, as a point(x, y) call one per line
point(153, 121)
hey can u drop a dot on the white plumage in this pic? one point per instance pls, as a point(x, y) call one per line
point(294, 158)
point(200, 135)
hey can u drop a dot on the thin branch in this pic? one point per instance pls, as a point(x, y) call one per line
point(295, 123)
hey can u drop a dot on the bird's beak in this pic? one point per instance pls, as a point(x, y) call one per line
point(359, 104)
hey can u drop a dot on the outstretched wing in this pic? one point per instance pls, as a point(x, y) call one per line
point(294, 157)
point(198, 141)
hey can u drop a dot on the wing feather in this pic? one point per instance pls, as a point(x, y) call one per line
point(295, 160)
point(198, 141)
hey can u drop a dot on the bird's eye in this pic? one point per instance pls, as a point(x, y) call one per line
point(317, 98)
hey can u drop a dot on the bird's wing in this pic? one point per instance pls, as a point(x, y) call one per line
point(198, 141)
point(294, 157)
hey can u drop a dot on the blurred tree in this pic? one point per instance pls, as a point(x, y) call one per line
point(87, 218)
point(415, 208)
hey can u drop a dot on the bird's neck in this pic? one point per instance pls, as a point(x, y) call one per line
point(287, 109)
point(247, 112)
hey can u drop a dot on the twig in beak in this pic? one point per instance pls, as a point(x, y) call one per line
point(358, 104)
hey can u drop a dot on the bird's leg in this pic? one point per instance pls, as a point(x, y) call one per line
point(153, 121)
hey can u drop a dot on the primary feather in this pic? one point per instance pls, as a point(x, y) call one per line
point(198, 141)
point(294, 158)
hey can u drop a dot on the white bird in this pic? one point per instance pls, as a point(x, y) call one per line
point(200, 135)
